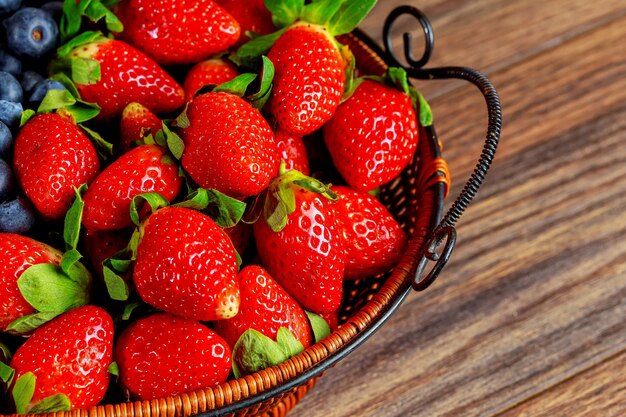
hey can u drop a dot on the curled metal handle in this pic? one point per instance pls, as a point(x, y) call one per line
point(445, 230)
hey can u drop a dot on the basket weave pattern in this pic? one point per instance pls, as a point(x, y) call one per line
point(364, 302)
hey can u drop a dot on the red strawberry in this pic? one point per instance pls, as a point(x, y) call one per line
point(126, 76)
point(102, 245)
point(177, 31)
point(309, 80)
point(164, 355)
point(145, 169)
point(186, 266)
point(374, 241)
point(332, 318)
point(373, 135)
point(293, 152)
point(69, 355)
point(241, 237)
point(52, 156)
point(303, 252)
point(229, 146)
point(18, 253)
point(265, 307)
point(137, 122)
point(252, 16)
point(214, 71)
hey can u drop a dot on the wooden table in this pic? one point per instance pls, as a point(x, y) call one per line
point(529, 317)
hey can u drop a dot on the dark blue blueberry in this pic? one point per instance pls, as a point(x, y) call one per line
point(10, 64)
point(6, 140)
point(10, 113)
point(9, 6)
point(42, 88)
point(16, 216)
point(7, 181)
point(31, 32)
point(29, 80)
point(10, 88)
point(54, 8)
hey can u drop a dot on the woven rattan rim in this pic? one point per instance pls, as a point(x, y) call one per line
point(277, 389)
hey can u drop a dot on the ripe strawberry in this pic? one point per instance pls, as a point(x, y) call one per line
point(304, 251)
point(252, 16)
point(101, 245)
point(213, 71)
point(126, 76)
point(373, 135)
point(147, 168)
point(52, 156)
point(265, 307)
point(186, 266)
point(293, 152)
point(229, 146)
point(177, 31)
point(69, 355)
point(164, 355)
point(241, 237)
point(18, 253)
point(331, 318)
point(309, 80)
point(137, 122)
point(374, 241)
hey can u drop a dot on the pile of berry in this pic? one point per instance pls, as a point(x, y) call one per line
point(167, 219)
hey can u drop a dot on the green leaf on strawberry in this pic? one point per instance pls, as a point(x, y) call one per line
point(26, 116)
point(255, 351)
point(70, 258)
point(27, 324)
point(320, 11)
point(174, 143)
point(284, 12)
point(73, 219)
point(224, 210)
point(248, 54)
point(237, 86)
point(320, 327)
point(48, 289)
point(6, 372)
point(94, 10)
point(114, 369)
point(5, 354)
point(116, 285)
point(130, 308)
point(23, 391)
point(154, 200)
point(259, 98)
point(51, 404)
point(104, 148)
point(63, 100)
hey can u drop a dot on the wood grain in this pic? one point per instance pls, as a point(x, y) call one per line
point(531, 308)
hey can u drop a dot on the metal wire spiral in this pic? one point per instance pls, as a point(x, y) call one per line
point(445, 230)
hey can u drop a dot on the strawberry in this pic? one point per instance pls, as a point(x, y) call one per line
point(177, 31)
point(241, 237)
point(265, 307)
point(331, 318)
point(145, 169)
point(373, 135)
point(186, 266)
point(118, 75)
point(293, 152)
point(213, 71)
point(228, 145)
point(299, 242)
point(163, 355)
point(18, 253)
point(374, 241)
point(137, 122)
point(69, 355)
point(252, 16)
point(53, 156)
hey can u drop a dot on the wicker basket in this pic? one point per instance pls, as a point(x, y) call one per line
point(416, 200)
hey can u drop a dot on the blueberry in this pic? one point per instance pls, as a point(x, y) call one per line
point(54, 8)
point(42, 88)
point(29, 80)
point(6, 140)
point(9, 6)
point(10, 64)
point(10, 88)
point(7, 180)
point(31, 32)
point(16, 216)
point(10, 113)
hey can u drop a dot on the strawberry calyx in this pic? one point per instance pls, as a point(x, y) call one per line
point(320, 327)
point(23, 391)
point(94, 10)
point(255, 351)
point(280, 198)
point(334, 17)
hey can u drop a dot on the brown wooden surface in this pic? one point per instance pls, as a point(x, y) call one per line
point(529, 317)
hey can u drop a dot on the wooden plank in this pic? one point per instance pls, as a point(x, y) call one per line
point(599, 391)
point(493, 34)
point(535, 292)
